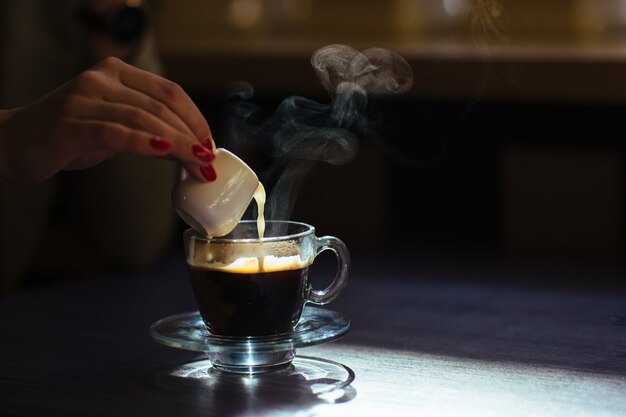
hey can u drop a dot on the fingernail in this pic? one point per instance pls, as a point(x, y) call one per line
point(207, 142)
point(160, 144)
point(209, 172)
point(203, 153)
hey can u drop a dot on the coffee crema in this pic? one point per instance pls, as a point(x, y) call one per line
point(250, 265)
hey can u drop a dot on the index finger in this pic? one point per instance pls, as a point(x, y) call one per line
point(169, 93)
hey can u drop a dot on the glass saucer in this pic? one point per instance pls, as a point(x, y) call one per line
point(251, 354)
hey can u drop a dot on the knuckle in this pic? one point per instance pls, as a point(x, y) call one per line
point(110, 63)
point(84, 81)
point(135, 117)
point(172, 90)
point(157, 108)
point(109, 66)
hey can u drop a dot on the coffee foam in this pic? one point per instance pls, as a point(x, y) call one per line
point(283, 249)
point(251, 265)
point(247, 258)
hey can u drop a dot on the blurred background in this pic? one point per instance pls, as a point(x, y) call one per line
point(508, 148)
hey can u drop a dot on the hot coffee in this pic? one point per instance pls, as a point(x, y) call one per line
point(250, 283)
point(242, 299)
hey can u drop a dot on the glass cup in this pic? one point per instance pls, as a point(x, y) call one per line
point(250, 286)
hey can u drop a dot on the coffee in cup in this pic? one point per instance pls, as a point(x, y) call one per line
point(250, 286)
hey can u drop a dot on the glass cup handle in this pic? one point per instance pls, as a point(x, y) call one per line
point(331, 292)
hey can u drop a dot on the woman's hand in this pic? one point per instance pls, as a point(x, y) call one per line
point(111, 108)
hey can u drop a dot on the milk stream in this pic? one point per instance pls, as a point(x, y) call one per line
point(259, 197)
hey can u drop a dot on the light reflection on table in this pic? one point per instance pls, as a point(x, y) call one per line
point(423, 343)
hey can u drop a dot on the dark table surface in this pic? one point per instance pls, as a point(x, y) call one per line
point(424, 341)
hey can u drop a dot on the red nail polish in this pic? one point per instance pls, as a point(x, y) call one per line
point(160, 144)
point(209, 172)
point(208, 143)
point(202, 153)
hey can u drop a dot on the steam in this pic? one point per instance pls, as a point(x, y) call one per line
point(484, 22)
point(302, 132)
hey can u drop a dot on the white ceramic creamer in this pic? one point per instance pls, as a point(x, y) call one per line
point(214, 208)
